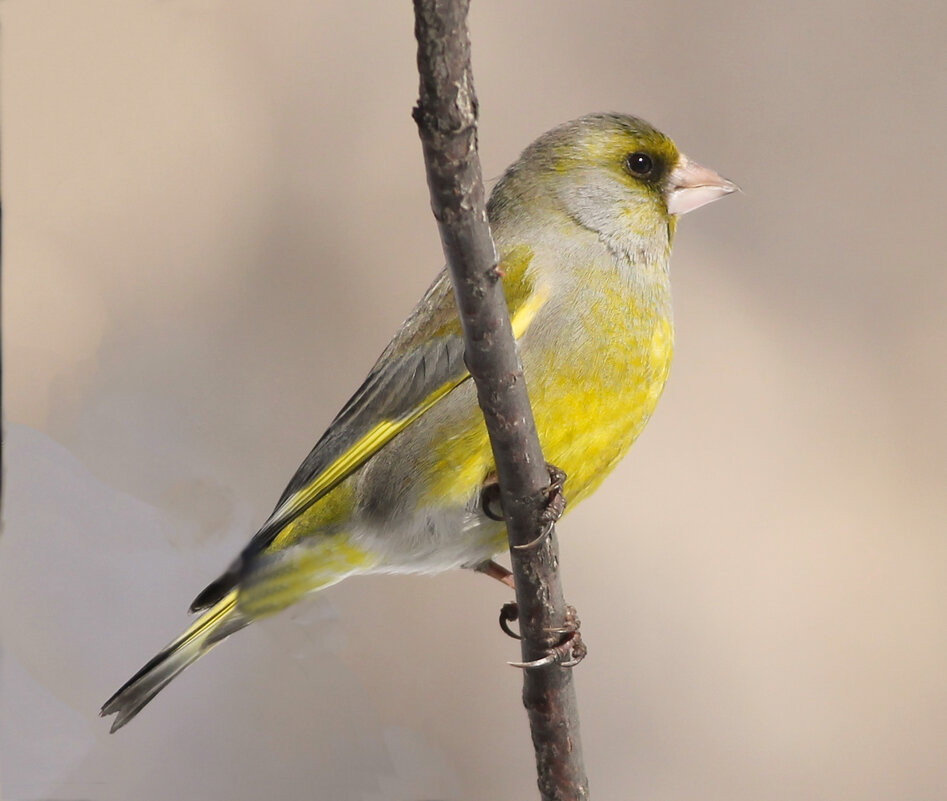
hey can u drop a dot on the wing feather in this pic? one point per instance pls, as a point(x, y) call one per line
point(421, 365)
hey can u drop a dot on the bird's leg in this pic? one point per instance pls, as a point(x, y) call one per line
point(571, 649)
point(555, 506)
point(510, 611)
point(496, 571)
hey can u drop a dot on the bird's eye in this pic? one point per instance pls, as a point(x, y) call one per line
point(640, 164)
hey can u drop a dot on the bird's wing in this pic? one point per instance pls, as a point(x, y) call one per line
point(405, 382)
point(422, 364)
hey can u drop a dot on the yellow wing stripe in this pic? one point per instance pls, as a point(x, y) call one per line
point(386, 430)
point(527, 312)
point(359, 453)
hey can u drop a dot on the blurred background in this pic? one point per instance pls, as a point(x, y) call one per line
point(216, 216)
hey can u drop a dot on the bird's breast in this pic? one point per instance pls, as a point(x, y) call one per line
point(595, 360)
point(594, 385)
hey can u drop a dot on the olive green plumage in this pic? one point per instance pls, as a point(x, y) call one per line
point(583, 224)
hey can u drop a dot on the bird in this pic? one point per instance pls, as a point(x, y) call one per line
point(583, 224)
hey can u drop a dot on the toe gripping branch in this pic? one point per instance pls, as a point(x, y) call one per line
point(568, 652)
point(555, 505)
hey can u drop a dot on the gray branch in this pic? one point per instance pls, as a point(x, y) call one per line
point(446, 115)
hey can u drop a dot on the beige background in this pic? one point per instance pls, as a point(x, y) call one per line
point(215, 216)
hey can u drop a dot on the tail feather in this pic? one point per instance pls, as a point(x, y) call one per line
point(218, 623)
point(274, 582)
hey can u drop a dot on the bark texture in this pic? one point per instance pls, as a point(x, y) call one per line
point(446, 115)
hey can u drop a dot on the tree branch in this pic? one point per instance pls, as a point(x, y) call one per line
point(446, 115)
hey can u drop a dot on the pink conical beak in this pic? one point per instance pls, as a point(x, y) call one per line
point(691, 186)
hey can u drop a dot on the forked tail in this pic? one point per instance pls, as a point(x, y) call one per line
point(219, 622)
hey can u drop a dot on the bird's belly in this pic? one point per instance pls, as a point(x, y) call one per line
point(433, 539)
point(592, 408)
point(590, 403)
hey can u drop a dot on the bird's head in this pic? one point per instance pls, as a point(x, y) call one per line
point(613, 174)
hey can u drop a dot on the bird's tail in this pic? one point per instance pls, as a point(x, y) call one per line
point(219, 622)
point(275, 581)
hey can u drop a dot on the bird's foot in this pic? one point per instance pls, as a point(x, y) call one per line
point(490, 499)
point(509, 613)
point(568, 652)
point(555, 506)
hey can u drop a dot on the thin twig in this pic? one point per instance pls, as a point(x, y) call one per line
point(447, 117)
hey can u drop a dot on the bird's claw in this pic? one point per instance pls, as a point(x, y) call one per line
point(555, 506)
point(568, 653)
point(543, 535)
point(572, 622)
point(509, 613)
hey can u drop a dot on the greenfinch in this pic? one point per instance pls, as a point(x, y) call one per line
point(583, 224)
